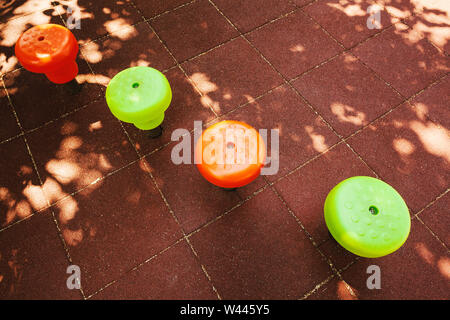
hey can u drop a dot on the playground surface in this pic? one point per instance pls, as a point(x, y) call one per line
point(79, 187)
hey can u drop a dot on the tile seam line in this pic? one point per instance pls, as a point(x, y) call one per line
point(106, 176)
point(107, 35)
point(172, 213)
point(349, 51)
point(50, 208)
point(295, 169)
point(280, 85)
point(331, 277)
point(33, 161)
point(417, 215)
point(317, 287)
point(403, 21)
point(162, 13)
point(370, 69)
point(83, 106)
point(51, 6)
point(111, 34)
point(432, 233)
point(174, 216)
point(405, 99)
point(268, 184)
point(153, 179)
point(135, 268)
point(432, 202)
point(326, 259)
point(176, 61)
point(295, 89)
point(100, 37)
point(339, 136)
point(100, 96)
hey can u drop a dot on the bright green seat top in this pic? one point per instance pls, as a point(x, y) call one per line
point(139, 95)
point(367, 216)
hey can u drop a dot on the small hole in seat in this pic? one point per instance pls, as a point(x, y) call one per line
point(373, 210)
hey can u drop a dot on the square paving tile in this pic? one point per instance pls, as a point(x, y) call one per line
point(306, 189)
point(409, 152)
point(434, 102)
point(258, 251)
point(33, 262)
point(12, 25)
point(294, 44)
point(34, 108)
point(302, 134)
point(347, 20)
point(418, 270)
point(97, 17)
point(173, 275)
point(20, 190)
point(185, 108)
point(437, 220)
point(247, 15)
point(193, 29)
point(346, 93)
point(114, 225)
point(226, 87)
point(404, 59)
point(9, 127)
point(335, 289)
point(130, 47)
point(76, 150)
point(193, 199)
point(152, 8)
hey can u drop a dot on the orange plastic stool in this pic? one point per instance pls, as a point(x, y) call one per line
point(50, 49)
point(230, 154)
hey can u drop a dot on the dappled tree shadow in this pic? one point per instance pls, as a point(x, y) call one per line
point(407, 148)
point(15, 18)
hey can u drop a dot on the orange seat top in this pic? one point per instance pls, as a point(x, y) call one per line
point(46, 47)
point(230, 154)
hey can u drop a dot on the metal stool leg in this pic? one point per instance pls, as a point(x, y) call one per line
point(156, 132)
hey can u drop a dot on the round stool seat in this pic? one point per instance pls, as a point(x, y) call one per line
point(139, 95)
point(230, 154)
point(367, 216)
point(50, 49)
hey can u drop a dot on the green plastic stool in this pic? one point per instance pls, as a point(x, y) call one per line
point(139, 95)
point(367, 217)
